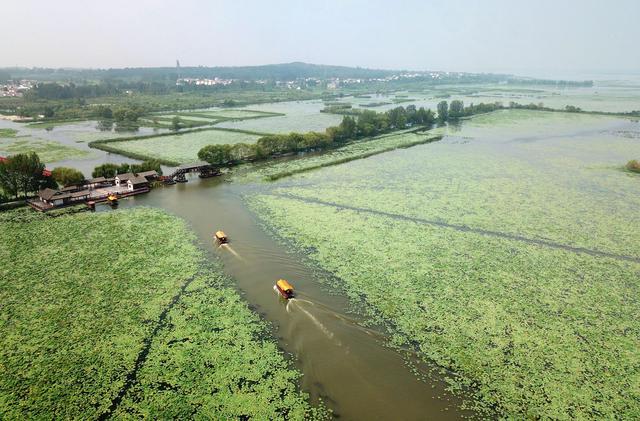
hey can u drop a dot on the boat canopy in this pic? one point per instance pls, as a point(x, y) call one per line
point(221, 234)
point(284, 285)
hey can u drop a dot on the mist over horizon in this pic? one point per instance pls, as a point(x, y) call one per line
point(493, 37)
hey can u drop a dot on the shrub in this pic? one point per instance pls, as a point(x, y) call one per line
point(633, 165)
point(67, 176)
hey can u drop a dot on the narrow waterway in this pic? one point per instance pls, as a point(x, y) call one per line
point(343, 363)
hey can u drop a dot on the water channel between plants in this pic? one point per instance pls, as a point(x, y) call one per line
point(346, 365)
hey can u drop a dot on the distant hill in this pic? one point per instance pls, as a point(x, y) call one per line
point(285, 71)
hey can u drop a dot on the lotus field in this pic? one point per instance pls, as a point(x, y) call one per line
point(506, 254)
point(97, 322)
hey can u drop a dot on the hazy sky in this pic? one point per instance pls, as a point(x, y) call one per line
point(527, 37)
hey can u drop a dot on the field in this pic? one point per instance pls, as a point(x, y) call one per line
point(506, 253)
point(64, 143)
point(234, 113)
point(166, 118)
point(205, 117)
point(49, 151)
point(97, 322)
point(299, 116)
point(178, 148)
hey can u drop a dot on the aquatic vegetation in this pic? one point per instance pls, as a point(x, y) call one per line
point(166, 118)
point(49, 151)
point(97, 321)
point(49, 124)
point(509, 251)
point(178, 148)
point(8, 133)
point(291, 116)
point(235, 114)
point(232, 370)
point(285, 124)
point(356, 150)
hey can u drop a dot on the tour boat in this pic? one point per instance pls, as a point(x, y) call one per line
point(221, 237)
point(284, 288)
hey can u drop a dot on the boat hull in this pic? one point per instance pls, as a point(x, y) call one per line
point(285, 294)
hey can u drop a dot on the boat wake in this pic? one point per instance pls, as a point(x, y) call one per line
point(231, 250)
point(295, 303)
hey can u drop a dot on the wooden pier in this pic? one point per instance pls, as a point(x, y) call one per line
point(204, 169)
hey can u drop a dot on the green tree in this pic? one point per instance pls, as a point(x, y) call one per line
point(176, 123)
point(147, 165)
point(443, 111)
point(107, 170)
point(348, 127)
point(103, 112)
point(397, 117)
point(216, 154)
point(22, 174)
point(67, 176)
point(456, 109)
point(242, 152)
point(48, 111)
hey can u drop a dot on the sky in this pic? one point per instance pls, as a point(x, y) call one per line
point(540, 37)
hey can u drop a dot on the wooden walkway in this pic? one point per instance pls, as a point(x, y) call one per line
point(204, 168)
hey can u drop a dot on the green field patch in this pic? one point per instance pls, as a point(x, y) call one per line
point(234, 114)
point(168, 118)
point(48, 151)
point(8, 133)
point(83, 298)
point(286, 124)
point(51, 124)
point(177, 148)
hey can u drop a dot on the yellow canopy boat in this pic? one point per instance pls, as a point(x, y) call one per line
point(221, 237)
point(284, 288)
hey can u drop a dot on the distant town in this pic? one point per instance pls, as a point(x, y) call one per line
point(301, 83)
point(16, 88)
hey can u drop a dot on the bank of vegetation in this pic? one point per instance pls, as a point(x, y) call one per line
point(366, 124)
point(112, 145)
point(349, 152)
point(97, 322)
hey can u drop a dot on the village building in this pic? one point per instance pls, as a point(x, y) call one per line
point(149, 175)
point(94, 189)
point(123, 178)
point(137, 182)
point(93, 183)
point(54, 197)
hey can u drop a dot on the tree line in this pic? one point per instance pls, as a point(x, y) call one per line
point(109, 170)
point(355, 125)
point(367, 123)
